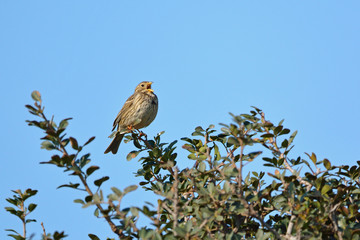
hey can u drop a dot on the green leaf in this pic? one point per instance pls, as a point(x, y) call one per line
point(227, 187)
point(202, 167)
point(79, 201)
point(89, 141)
point(93, 237)
point(96, 198)
point(59, 236)
point(130, 189)
point(234, 141)
point(284, 131)
point(267, 135)
point(84, 160)
point(132, 155)
point(36, 96)
point(11, 210)
point(225, 130)
point(291, 139)
point(197, 134)
point(74, 143)
point(17, 237)
point(180, 231)
point(217, 152)
point(64, 123)
point(202, 157)
point(70, 185)
point(134, 211)
point(278, 129)
point(356, 191)
point(12, 230)
point(199, 129)
point(31, 207)
point(188, 147)
point(117, 191)
point(325, 189)
point(327, 164)
point(230, 171)
point(30, 220)
point(188, 226)
point(254, 155)
point(312, 157)
point(47, 145)
point(32, 110)
point(12, 201)
point(192, 156)
point(91, 169)
point(257, 109)
point(157, 153)
point(29, 192)
point(96, 212)
point(285, 143)
point(100, 181)
point(136, 143)
point(88, 198)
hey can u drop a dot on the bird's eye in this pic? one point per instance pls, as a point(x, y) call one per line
point(142, 85)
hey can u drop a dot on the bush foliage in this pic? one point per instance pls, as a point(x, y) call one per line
point(216, 198)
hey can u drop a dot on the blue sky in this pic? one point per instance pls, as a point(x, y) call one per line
point(297, 60)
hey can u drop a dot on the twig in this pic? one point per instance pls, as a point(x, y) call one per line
point(23, 219)
point(254, 214)
point(175, 199)
point(240, 168)
point(84, 182)
point(167, 208)
point(203, 223)
point(208, 155)
point(332, 217)
point(301, 180)
point(157, 221)
point(290, 226)
point(44, 232)
point(144, 140)
point(281, 155)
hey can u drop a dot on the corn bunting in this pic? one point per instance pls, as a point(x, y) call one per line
point(139, 111)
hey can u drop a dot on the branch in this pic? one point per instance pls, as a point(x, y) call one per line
point(208, 155)
point(290, 227)
point(44, 232)
point(281, 155)
point(254, 214)
point(175, 199)
point(333, 219)
point(23, 219)
point(83, 180)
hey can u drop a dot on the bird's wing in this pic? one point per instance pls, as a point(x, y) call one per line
point(127, 106)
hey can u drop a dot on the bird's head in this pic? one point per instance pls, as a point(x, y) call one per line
point(144, 87)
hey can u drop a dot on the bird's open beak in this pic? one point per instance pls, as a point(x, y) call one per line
point(148, 87)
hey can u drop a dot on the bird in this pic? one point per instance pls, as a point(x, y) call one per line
point(139, 111)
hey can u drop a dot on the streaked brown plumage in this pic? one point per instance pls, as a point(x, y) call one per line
point(139, 111)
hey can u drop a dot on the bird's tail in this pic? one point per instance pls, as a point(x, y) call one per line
point(114, 145)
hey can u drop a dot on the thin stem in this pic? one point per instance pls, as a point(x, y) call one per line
point(254, 214)
point(44, 232)
point(240, 168)
point(23, 219)
point(98, 205)
point(208, 155)
point(333, 219)
point(281, 155)
point(175, 199)
point(290, 226)
point(84, 182)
